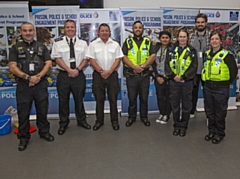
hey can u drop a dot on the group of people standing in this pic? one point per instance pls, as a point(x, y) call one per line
point(176, 68)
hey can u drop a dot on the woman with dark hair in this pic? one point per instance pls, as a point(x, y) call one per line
point(181, 67)
point(161, 81)
point(219, 72)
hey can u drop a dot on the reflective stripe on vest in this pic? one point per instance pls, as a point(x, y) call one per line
point(138, 55)
point(215, 69)
point(179, 64)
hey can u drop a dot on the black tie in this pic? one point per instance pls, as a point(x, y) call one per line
point(72, 55)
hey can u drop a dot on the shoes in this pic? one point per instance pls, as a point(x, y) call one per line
point(146, 122)
point(97, 126)
point(22, 145)
point(158, 120)
point(84, 125)
point(176, 132)
point(130, 122)
point(192, 116)
point(165, 119)
point(217, 140)
point(115, 125)
point(182, 133)
point(62, 130)
point(48, 137)
point(209, 137)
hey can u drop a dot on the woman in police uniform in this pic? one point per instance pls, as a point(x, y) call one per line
point(219, 71)
point(181, 67)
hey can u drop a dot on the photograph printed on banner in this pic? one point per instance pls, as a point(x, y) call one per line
point(13, 35)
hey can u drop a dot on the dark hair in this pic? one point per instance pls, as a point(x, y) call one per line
point(69, 20)
point(201, 15)
point(26, 23)
point(138, 22)
point(165, 33)
point(103, 25)
point(214, 32)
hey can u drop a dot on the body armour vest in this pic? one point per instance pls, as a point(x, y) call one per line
point(30, 59)
point(180, 63)
point(215, 69)
point(138, 55)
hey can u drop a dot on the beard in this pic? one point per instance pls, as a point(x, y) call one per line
point(138, 35)
point(201, 29)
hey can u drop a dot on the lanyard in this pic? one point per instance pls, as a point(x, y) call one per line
point(201, 39)
point(163, 51)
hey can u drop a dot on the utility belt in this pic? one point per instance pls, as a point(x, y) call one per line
point(128, 72)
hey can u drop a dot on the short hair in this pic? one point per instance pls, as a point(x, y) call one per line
point(214, 32)
point(201, 15)
point(104, 25)
point(165, 33)
point(138, 22)
point(70, 20)
point(26, 23)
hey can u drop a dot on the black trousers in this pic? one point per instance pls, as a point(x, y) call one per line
point(76, 86)
point(216, 104)
point(197, 80)
point(163, 97)
point(138, 86)
point(25, 96)
point(99, 90)
point(181, 93)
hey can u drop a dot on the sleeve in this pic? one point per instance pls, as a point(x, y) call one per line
point(152, 49)
point(13, 54)
point(124, 48)
point(231, 63)
point(90, 51)
point(119, 53)
point(55, 51)
point(192, 69)
point(154, 64)
point(46, 55)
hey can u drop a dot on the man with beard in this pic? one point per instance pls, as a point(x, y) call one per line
point(139, 54)
point(199, 39)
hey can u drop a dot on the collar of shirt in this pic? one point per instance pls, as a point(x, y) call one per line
point(29, 44)
point(68, 39)
point(109, 40)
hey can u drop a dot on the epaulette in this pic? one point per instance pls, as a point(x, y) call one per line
point(58, 39)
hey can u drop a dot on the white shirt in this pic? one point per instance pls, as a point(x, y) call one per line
point(105, 54)
point(61, 49)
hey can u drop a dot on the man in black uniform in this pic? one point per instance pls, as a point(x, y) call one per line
point(139, 54)
point(30, 62)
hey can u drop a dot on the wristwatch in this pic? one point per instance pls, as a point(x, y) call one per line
point(29, 78)
point(142, 66)
point(78, 69)
point(101, 71)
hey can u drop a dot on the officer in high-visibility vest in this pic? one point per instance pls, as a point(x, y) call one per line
point(139, 54)
point(181, 67)
point(30, 61)
point(219, 72)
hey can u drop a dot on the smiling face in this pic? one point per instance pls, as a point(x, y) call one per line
point(27, 31)
point(201, 24)
point(165, 40)
point(182, 38)
point(104, 33)
point(215, 42)
point(70, 29)
point(138, 29)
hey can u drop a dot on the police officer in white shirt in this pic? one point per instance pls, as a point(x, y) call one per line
point(69, 53)
point(105, 56)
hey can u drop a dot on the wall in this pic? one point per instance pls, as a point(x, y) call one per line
point(219, 4)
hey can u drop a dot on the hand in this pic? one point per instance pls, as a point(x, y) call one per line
point(105, 74)
point(138, 69)
point(160, 80)
point(73, 73)
point(177, 78)
point(35, 79)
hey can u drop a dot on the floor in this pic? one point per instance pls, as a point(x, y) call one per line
point(136, 152)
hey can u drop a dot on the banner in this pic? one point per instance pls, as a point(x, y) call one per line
point(152, 21)
point(89, 23)
point(227, 22)
point(12, 15)
point(49, 24)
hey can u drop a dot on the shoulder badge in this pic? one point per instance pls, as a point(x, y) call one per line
point(58, 39)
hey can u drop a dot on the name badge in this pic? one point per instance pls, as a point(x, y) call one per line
point(31, 66)
point(72, 60)
point(200, 54)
